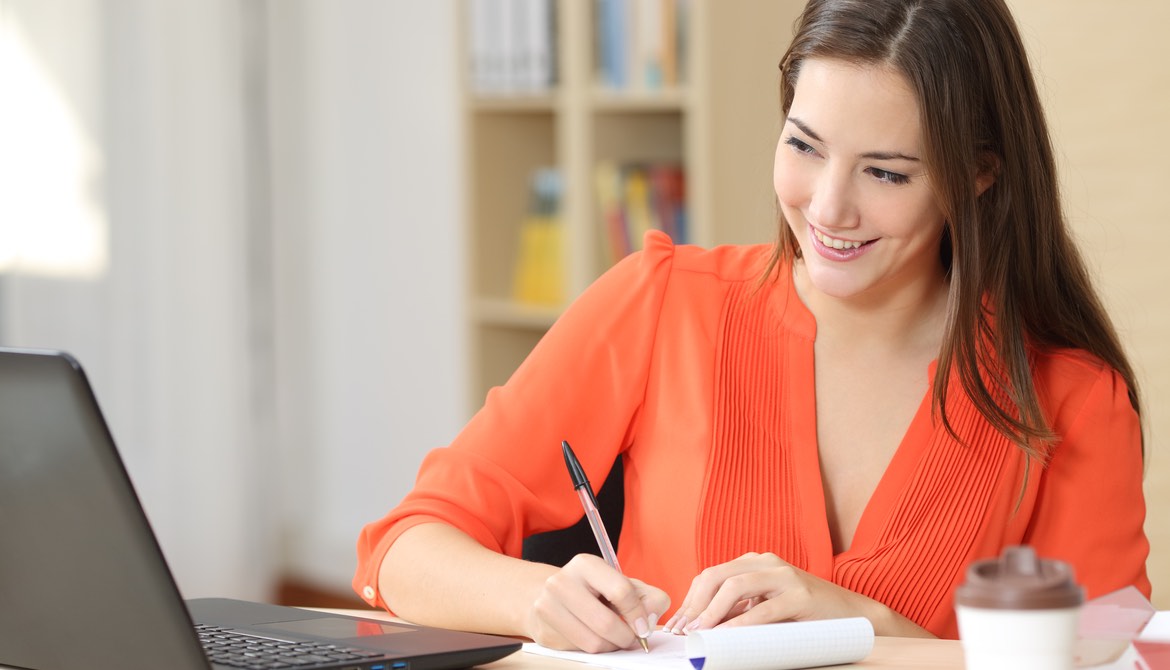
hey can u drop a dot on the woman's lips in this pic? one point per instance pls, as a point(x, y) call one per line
point(837, 249)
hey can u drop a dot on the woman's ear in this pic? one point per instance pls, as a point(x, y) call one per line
point(988, 170)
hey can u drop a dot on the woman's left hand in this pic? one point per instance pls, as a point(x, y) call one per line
point(762, 588)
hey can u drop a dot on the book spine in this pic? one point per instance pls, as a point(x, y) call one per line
point(640, 44)
point(640, 217)
point(681, 28)
point(612, 27)
point(608, 184)
point(635, 198)
point(538, 28)
point(669, 43)
point(649, 43)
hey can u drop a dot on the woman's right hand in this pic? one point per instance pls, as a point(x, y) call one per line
point(587, 605)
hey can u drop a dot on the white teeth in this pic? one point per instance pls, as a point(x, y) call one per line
point(834, 242)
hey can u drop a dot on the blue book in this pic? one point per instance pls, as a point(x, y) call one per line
point(613, 40)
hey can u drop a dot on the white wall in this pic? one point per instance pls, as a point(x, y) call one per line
point(164, 325)
point(1102, 72)
point(370, 260)
point(277, 336)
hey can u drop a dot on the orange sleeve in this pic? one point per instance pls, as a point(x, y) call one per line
point(504, 476)
point(1090, 506)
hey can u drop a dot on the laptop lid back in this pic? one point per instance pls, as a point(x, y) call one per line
point(83, 582)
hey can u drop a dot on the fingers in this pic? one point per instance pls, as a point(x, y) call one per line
point(728, 591)
point(556, 626)
point(590, 606)
point(574, 618)
point(784, 603)
point(637, 603)
point(655, 601)
point(762, 588)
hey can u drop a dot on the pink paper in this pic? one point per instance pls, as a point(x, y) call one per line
point(1117, 629)
point(1120, 615)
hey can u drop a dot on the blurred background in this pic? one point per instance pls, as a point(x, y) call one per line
point(294, 241)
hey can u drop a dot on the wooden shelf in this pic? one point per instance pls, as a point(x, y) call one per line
point(668, 99)
point(721, 125)
point(515, 104)
point(501, 312)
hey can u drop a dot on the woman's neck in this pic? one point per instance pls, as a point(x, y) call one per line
point(908, 317)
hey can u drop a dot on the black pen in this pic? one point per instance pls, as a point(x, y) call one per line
point(589, 502)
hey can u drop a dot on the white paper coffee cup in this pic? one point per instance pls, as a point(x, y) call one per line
point(1018, 639)
point(1018, 612)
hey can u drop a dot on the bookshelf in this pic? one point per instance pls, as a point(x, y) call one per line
point(718, 120)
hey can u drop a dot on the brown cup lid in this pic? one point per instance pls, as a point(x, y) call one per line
point(1019, 580)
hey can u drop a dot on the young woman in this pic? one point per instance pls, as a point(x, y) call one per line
point(916, 375)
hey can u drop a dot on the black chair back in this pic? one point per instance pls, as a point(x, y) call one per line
point(556, 547)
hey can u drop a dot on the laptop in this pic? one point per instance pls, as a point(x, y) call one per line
point(83, 583)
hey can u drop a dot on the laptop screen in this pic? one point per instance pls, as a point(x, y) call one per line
point(82, 580)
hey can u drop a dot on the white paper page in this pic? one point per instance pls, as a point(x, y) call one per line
point(666, 651)
point(1158, 628)
point(805, 644)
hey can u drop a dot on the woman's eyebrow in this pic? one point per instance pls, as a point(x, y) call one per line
point(872, 155)
point(804, 128)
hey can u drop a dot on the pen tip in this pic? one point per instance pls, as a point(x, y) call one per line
point(645, 647)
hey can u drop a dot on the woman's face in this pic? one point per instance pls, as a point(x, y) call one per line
point(851, 180)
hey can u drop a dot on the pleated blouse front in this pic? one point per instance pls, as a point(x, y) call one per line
point(703, 380)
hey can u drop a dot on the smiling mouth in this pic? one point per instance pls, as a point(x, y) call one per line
point(836, 243)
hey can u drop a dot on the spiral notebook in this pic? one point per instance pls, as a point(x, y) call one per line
point(776, 646)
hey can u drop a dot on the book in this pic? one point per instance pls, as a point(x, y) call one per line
point(612, 24)
point(634, 198)
point(649, 42)
point(640, 216)
point(668, 191)
point(511, 46)
point(534, 55)
point(640, 43)
point(669, 53)
point(607, 177)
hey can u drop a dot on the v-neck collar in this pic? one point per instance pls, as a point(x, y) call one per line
point(799, 321)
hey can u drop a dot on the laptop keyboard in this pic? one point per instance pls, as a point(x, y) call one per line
point(239, 650)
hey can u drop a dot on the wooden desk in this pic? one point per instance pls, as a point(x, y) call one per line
point(888, 652)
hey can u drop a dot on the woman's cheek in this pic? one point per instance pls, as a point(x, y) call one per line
point(792, 187)
point(789, 181)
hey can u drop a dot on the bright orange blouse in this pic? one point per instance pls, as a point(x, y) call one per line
point(704, 384)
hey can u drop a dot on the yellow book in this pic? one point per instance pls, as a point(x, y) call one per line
point(539, 276)
point(639, 216)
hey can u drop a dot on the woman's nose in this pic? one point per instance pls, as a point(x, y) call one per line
point(832, 204)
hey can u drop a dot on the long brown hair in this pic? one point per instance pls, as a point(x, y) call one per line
point(1017, 280)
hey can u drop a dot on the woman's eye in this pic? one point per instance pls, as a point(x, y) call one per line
point(799, 145)
point(888, 177)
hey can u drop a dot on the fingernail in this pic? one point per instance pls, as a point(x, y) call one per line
point(641, 628)
point(652, 620)
point(678, 625)
point(694, 625)
point(669, 623)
